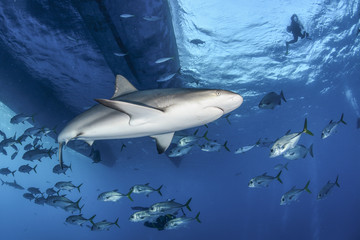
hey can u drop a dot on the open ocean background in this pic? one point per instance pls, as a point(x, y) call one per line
point(45, 54)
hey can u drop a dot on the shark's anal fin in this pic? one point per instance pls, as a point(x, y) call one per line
point(163, 141)
point(138, 114)
point(122, 86)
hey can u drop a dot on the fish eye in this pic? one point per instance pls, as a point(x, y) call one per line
point(282, 199)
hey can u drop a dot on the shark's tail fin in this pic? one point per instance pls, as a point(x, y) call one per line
point(342, 119)
point(282, 96)
point(336, 181)
point(278, 177)
point(158, 190)
point(306, 187)
point(305, 130)
point(311, 150)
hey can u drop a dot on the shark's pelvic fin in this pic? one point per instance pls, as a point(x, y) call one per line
point(163, 141)
point(138, 114)
point(122, 86)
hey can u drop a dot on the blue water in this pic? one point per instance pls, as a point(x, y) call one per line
point(243, 52)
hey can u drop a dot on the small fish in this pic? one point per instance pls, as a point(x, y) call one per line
point(126, 15)
point(22, 138)
point(145, 189)
point(78, 219)
point(326, 190)
point(179, 151)
point(2, 134)
point(13, 156)
point(31, 131)
point(263, 180)
point(58, 169)
point(331, 127)
point(281, 166)
point(15, 147)
point(197, 42)
point(21, 118)
point(293, 194)
point(38, 153)
point(244, 149)
point(299, 151)
point(287, 142)
point(181, 222)
point(28, 196)
point(40, 200)
point(113, 196)
point(74, 207)
point(27, 169)
point(191, 139)
point(51, 191)
point(59, 201)
point(28, 147)
point(120, 54)
point(162, 60)
point(103, 225)
point(3, 151)
point(34, 190)
point(164, 207)
point(6, 171)
point(213, 146)
point(271, 100)
point(67, 185)
point(166, 77)
point(151, 18)
point(141, 216)
point(12, 184)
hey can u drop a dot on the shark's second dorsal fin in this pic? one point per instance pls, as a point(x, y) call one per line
point(122, 86)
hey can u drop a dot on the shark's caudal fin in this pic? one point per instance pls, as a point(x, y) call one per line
point(122, 86)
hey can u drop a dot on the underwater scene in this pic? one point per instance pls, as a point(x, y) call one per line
point(179, 119)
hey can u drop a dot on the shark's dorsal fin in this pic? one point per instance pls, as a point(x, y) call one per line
point(122, 86)
point(139, 114)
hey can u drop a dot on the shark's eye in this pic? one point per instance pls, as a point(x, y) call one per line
point(218, 93)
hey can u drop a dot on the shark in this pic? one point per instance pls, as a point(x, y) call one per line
point(157, 113)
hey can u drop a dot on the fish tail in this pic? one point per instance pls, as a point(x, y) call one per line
point(35, 168)
point(50, 153)
point(226, 147)
point(278, 177)
point(306, 187)
point(305, 130)
point(2, 182)
point(197, 217)
point(205, 136)
point(282, 96)
point(336, 181)
point(77, 202)
point(13, 173)
point(116, 222)
point(78, 187)
point(311, 150)
point(196, 131)
point(80, 209)
point(285, 166)
point(60, 155)
point(130, 192)
point(91, 219)
point(187, 204)
point(342, 119)
point(158, 190)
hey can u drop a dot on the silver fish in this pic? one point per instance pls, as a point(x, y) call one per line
point(271, 100)
point(331, 127)
point(27, 169)
point(78, 219)
point(103, 225)
point(293, 194)
point(288, 141)
point(113, 196)
point(299, 151)
point(164, 207)
point(12, 184)
point(326, 190)
point(145, 189)
point(281, 166)
point(181, 222)
point(67, 185)
point(263, 180)
point(179, 151)
point(213, 146)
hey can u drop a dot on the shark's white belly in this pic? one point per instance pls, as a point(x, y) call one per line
point(100, 122)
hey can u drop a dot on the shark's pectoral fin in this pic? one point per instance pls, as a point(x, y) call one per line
point(139, 114)
point(163, 141)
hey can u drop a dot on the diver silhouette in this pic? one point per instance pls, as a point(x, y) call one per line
point(297, 29)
